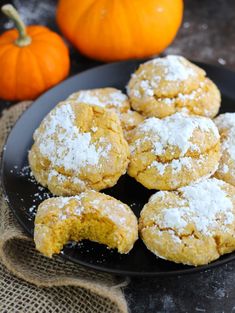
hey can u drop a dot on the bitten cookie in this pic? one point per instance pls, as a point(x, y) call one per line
point(91, 215)
point(173, 152)
point(112, 99)
point(163, 86)
point(78, 147)
point(194, 225)
point(226, 125)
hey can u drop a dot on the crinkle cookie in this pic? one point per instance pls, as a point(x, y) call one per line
point(91, 215)
point(78, 147)
point(193, 225)
point(226, 125)
point(113, 99)
point(173, 152)
point(163, 86)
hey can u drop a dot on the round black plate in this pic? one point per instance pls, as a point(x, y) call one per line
point(24, 194)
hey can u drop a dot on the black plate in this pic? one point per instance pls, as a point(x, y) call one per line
point(24, 194)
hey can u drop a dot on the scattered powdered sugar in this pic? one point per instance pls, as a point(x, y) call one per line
point(209, 208)
point(36, 197)
point(176, 130)
point(32, 209)
point(175, 66)
point(25, 171)
point(94, 97)
point(64, 145)
point(222, 61)
point(226, 123)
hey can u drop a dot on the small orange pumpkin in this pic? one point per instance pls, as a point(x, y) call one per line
point(111, 30)
point(32, 59)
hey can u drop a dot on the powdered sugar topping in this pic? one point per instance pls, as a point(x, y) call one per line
point(95, 97)
point(226, 120)
point(174, 67)
point(175, 130)
point(116, 211)
point(226, 124)
point(63, 143)
point(112, 209)
point(162, 72)
point(176, 165)
point(60, 204)
point(208, 207)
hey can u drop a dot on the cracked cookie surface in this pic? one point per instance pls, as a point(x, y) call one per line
point(163, 86)
point(78, 147)
point(91, 215)
point(112, 99)
point(226, 125)
point(173, 152)
point(193, 225)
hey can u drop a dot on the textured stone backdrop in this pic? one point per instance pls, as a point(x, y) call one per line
point(207, 34)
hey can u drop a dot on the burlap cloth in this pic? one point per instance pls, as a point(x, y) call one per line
point(32, 283)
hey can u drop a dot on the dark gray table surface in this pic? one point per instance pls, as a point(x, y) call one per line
point(207, 34)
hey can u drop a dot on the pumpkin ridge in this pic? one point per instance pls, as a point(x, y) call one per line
point(38, 68)
point(2, 53)
point(16, 71)
point(76, 25)
point(52, 52)
point(2, 57)
point(129, 28)
point(55, 44)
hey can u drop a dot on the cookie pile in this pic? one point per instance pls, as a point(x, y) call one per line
point(162, 134)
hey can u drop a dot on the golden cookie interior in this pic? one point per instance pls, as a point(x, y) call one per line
point(91, 215)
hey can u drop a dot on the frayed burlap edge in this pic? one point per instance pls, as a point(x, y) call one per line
point(95, 292)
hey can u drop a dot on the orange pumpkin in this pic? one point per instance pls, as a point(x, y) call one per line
point(32, 59)
point(111, 30)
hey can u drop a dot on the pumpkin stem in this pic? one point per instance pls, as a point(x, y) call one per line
point(23, 39)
